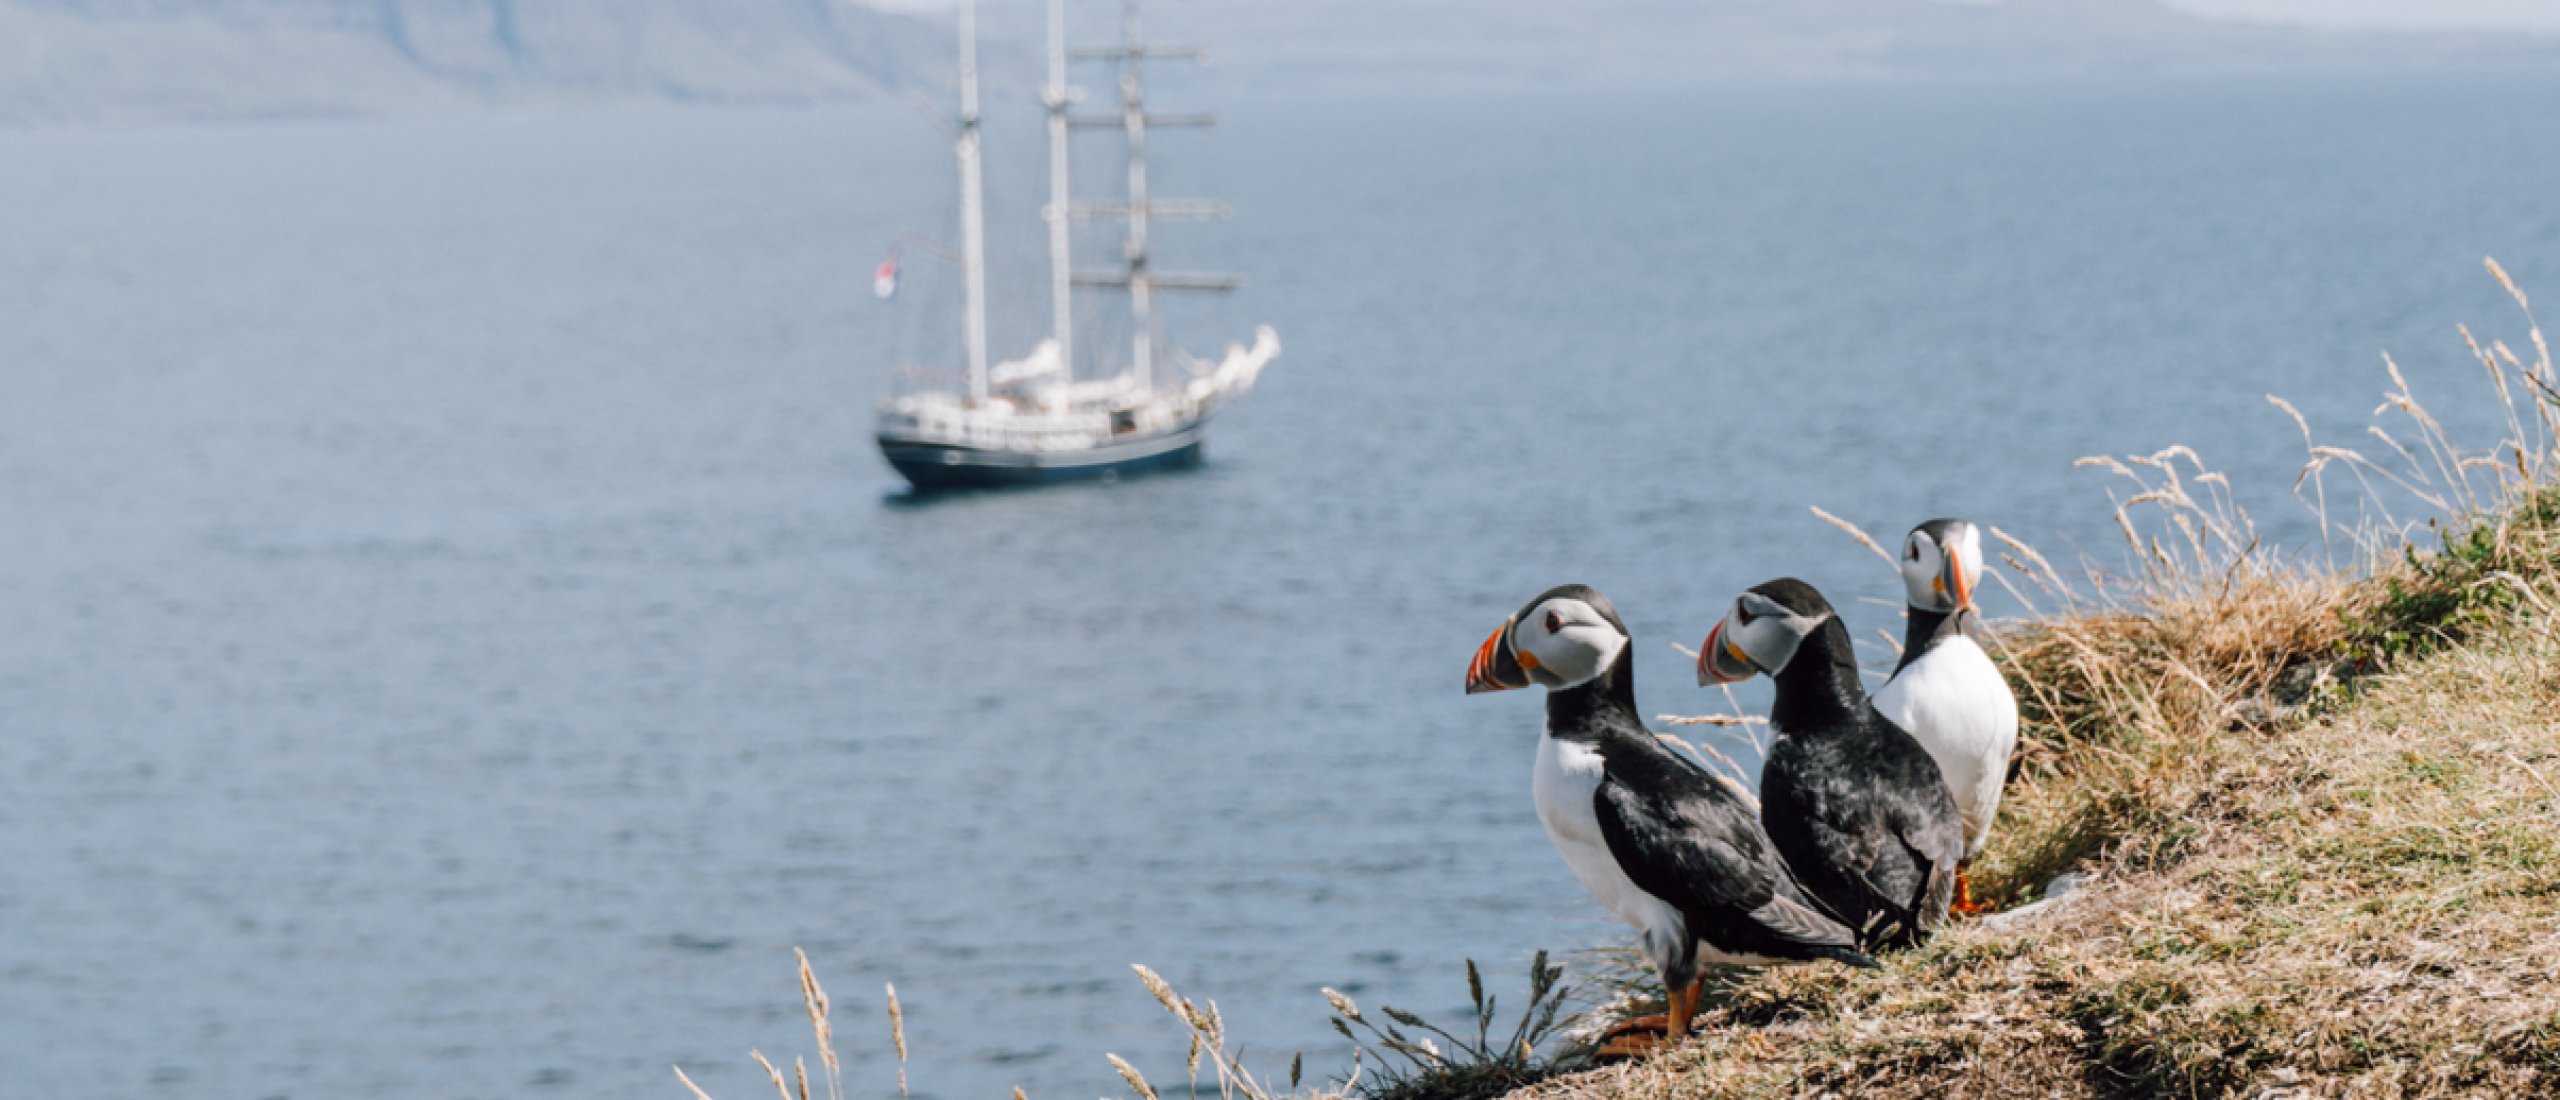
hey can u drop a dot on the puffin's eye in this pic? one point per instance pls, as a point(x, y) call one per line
point(1742, 614)
point(1915, 549)
point(1555, 623)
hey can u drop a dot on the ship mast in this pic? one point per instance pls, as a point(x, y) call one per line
point(973, 229)
point(1133, 112)
point(1134, 120)
point(1061, 273)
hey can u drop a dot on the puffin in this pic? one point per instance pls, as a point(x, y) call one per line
point(1946, 693)
point(1854, 804)
point(1662, 843)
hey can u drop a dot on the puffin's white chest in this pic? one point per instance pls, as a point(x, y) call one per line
point(1567, 777)
point(1954, 702)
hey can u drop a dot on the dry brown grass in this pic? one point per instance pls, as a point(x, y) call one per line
point(2318, 804)
point(2356, 904)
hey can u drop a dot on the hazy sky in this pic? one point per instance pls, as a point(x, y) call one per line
point(2540, 15)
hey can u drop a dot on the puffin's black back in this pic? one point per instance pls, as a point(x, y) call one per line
point(1678, 833)
point(1681, 836)
point(1858, 808)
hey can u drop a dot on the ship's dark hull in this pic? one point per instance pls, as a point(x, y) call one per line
point(938, 467)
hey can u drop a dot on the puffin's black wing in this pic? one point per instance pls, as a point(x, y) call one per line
point(1932, 836)
point(1936, 864)
point(1688, 842)
point(1915, 838)
point(1849, 836)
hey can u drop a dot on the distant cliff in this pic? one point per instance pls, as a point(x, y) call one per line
point(124, 60)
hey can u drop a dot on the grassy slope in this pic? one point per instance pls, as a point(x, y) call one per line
point(2326, 835)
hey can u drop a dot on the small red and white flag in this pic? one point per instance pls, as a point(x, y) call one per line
point(884, 279)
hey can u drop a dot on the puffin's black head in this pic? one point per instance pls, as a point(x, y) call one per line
point(1941, 561)
point(1762, 632)
point(1565, 638)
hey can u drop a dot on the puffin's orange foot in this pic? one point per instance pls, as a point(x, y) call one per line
point(1964, 905)
point(1630, 1046)
point(1635, 1038)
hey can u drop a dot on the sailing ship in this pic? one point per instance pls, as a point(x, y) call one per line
point(1038, 418)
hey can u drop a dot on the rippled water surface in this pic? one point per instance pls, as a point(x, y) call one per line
point(459, 637)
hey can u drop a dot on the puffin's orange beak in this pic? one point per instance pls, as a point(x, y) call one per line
point(1957, 583)
point(1722, 662)
point(1497, 666)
